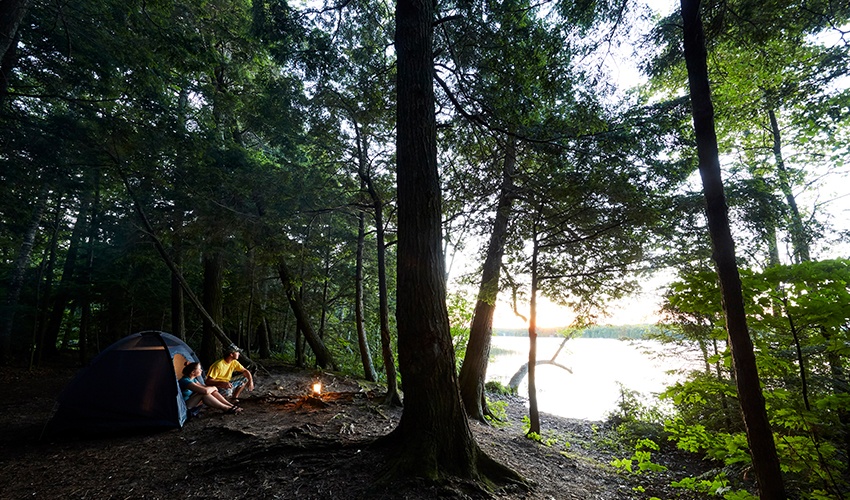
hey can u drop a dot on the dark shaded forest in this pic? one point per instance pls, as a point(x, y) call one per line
point(296, 180)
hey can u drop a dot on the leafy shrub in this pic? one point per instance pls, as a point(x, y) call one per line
point(497, 387)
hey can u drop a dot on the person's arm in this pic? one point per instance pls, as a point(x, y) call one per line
point(217, 383)
point(247, 375)
point(200, 389)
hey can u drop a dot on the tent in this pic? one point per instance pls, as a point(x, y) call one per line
point(131, 385)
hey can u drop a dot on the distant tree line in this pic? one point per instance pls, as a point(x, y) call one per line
point(590, 332)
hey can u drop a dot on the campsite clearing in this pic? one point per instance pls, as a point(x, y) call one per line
point(288, 444)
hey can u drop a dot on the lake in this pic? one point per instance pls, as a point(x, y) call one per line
point(598, 365)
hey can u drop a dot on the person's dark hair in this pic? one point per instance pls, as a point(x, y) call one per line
point(189, 368)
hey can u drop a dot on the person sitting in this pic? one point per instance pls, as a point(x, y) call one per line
point(195, 393)
point(229, 376)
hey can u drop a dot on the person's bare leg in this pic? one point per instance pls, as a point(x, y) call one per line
point(221, 398)
point(238, 391)
point(193, 401)
point(212, 402)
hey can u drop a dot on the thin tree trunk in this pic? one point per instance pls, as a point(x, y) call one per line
point(12, 13)
point(86, 277)
point(63, 293)
point(325, 281)
point(16, 280)
point(263, 334)
point(323, 356)
point(841, 388)
point(392, 397)
point(178, 310)
point(533, 413)
point(7, 65)
point(300, 362)
point(365, 354)
point(799, 240)
point(473, 371)
point(47, 278)
point(759, 435)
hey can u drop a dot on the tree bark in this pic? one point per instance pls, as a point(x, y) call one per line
point(392, 397)
point(87, 272)
point(473, 371)
point(178, 311)
point(213, 302)
point(323, 357)
point(759, 435)
point(365, 353)
point(433, 433)
point(263, 339)
point(63, 293)
point(533, 412)
point(799, 240)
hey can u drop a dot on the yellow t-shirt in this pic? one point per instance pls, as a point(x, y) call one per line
point(222, 371)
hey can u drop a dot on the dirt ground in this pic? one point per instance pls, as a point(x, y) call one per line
point(289, 445)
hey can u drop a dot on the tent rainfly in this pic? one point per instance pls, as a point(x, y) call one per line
point(131, 385)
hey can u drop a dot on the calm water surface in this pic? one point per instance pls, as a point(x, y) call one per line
point(598, 365)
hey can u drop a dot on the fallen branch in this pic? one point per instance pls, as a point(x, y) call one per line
point(523, 371)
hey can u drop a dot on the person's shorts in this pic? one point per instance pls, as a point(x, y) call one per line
point(237, 381)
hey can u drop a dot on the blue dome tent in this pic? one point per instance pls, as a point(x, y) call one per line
point(131, 385)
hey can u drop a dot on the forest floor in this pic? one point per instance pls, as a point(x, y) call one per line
point(287, 444)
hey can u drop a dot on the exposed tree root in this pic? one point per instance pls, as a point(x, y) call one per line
point(479, 473)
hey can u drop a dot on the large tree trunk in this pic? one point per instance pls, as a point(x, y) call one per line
point(323, 356)
point(473, 371)
point(365, 353)
point(213, 303)
point(433, 433)
point(759, 435)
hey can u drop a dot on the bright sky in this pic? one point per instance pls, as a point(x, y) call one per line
point(633, 311)
point(636, 310)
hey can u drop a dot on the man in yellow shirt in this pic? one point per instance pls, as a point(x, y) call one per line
point(230, 376)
